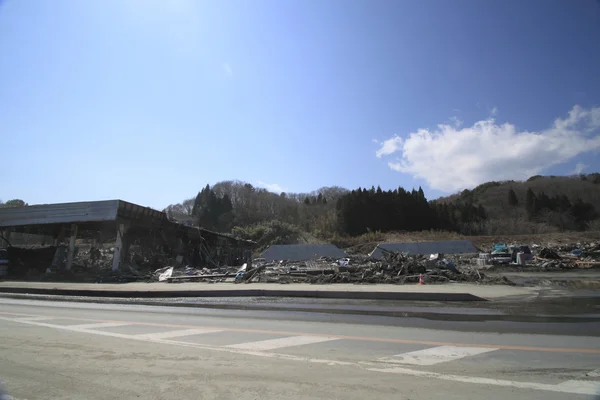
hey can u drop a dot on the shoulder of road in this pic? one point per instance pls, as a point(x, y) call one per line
point(447, 292)
point(449, 302)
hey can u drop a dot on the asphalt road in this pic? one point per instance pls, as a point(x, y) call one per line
point(62, 350)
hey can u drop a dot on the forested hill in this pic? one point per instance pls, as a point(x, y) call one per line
point(563, 202)
point(541, 204)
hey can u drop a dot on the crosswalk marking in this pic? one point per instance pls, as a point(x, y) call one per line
point(98, 325)
point(571, 387)
point(580, 387)
point(436, 355)
point(584, 387)
point(35, 318)
point(178, 333)
point(272, 344)
point(593, 374)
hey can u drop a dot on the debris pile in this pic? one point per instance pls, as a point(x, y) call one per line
point(94, 264)
point(550, 257)
point(188, 273)
point(26, 263)
point(396, 268)
point(549, 254)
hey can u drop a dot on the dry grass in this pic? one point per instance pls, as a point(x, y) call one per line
point(366, 243)
point(543, 239)
point(308, 238)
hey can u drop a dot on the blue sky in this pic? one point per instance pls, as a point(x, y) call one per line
point(149, 100)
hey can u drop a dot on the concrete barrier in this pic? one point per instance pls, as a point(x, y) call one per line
point(316, 294)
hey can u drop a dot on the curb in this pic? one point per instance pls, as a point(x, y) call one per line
point(433, 316)
point(317, 294)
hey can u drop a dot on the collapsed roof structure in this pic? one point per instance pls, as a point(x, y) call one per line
point(440, 247)
point(124, 222)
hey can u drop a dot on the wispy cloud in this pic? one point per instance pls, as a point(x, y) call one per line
point(227, 69)
point(390, 146)
point(271, 187)
point(450, 158)
point(456, 121)
point(579, 167)
point(494, 111)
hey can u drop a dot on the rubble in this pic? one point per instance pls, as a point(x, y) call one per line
point(395, 268)
point(94, 264)
point(549, 254)
point(586, 255)
point(405, 268)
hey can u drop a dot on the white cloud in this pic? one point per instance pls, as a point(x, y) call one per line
point(494, 111)
point(456, 121)
point(390, 146)
point(272, 187)
point(579, 167)
point(227, 69)
point(451, 159)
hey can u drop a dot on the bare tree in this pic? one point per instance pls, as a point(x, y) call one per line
point(187, 206)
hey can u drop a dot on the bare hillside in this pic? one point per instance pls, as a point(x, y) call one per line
point(493, 196)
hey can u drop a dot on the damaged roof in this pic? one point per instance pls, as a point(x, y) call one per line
point(444, 247)
point(301, 252)
point(85, 211)
point(96, 215)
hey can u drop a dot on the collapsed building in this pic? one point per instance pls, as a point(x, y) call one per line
point(61, 228)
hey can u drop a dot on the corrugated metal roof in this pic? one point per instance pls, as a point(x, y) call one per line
point(444, 247)
point(96, 211)
point(86, 211)
point(301, 252)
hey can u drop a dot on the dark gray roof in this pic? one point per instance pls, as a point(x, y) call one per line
point(94, 214)
point(445, 247)
point(300, 252)
point(85, 211)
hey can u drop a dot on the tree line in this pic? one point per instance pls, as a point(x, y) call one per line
point(252, 212)
point(363, 210)
point(240, 207)
point(234, 206)
point(12, 203)
point(557, 210)
point(230, 204)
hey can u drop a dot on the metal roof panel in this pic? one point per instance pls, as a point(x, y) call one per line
point(85, 211)
point(301, 252)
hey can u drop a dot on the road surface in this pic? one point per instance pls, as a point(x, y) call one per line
point(61, 350)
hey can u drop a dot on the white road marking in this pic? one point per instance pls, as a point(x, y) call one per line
point(436, 355)
point(179, 333)
point(35, 318)
point(98, 325)
point(581, 387)
point(72, 328)
point(571, 387)
point(272, 344)
point(565, 387)
point(593, 374)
